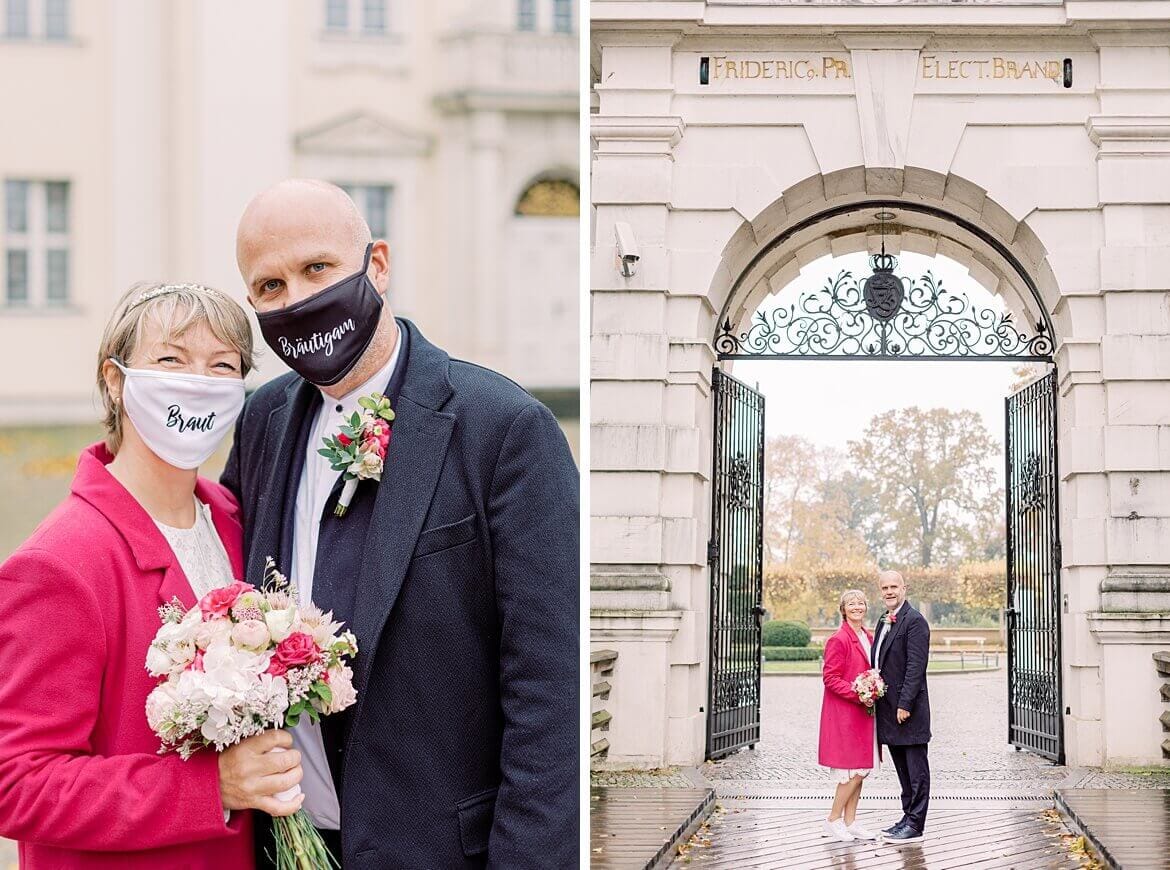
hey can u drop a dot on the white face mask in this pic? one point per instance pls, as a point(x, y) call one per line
point(182, 418)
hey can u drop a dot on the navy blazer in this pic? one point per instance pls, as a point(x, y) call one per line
point(462, 749)
point(905, 651)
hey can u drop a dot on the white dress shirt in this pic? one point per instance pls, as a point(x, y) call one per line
point(316, 483)
point(883, 630)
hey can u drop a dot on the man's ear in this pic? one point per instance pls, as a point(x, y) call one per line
point(380, 261)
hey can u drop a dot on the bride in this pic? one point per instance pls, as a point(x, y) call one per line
point(848, 740)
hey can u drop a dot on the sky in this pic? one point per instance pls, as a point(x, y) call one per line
point(831, 402)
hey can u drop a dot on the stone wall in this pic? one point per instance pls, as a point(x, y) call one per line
point(1074, 182)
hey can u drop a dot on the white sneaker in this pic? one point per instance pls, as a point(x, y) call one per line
point(861, 832)
point(837, 831)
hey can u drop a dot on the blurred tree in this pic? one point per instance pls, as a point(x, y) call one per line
point(790, 477)
point(932, 469)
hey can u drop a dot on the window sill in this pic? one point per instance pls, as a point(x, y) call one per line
point(379, 52)
point(41, 41)
point(7, 309)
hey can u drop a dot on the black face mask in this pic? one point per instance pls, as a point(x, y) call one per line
point(323, 337)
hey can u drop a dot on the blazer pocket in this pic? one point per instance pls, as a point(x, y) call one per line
point(476, 814)
point(445, 537)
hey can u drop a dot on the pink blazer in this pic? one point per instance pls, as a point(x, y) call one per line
point(846, 739)
point(81, 783)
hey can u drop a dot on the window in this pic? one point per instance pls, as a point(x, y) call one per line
point(550, 197)
point(337, 15)
point(16, 19)
point(56, 19)
point(563, 16)
point(374, 16)
point(373, 201)
point(36, 259)
point(357, 17)
point(36, 19)
point(526, 15)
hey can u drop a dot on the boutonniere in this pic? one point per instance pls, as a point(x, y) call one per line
point(358, 450)
point(890, 618)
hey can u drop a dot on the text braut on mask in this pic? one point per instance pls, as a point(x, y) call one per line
point(298, 347)
point(175, 419)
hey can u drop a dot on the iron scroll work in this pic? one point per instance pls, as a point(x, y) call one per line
point(736, 557)
point(1035, 720)
point(886, 317)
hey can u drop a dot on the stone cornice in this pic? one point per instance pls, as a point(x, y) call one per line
point(639, 134)
point(860, 41)
point(1130, 134)
point(1130, 628)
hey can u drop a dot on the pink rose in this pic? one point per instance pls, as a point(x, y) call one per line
point(217, 603)
point(276, 668)
point(294, 651)
point(251, 633)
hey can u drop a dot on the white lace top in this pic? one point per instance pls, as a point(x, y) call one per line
point(200, 552)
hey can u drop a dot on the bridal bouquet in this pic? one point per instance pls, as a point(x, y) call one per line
point(241, 661)
point(869, 686)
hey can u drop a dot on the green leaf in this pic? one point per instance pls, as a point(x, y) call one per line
point(368, 403)
point(356, 420)
point(291, 720)
point(324, 692)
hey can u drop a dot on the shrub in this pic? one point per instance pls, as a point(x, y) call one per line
point(792, 654)
point(791, 634)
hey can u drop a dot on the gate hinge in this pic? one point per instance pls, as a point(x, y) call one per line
point(712, 552)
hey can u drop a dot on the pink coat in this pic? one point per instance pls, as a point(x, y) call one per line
point(81, 783)
point(846, 739)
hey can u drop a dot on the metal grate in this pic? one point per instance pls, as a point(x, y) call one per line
point(1033, 568)
point(736, 557)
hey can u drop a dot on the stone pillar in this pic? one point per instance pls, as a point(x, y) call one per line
point(1133, 164)
point(647, 448)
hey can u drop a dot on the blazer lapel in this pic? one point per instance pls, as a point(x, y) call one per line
point(418, 449)
point(282, 458)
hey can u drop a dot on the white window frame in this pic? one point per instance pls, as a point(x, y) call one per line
point(37, 240)
point(38, 30)
point(355, 27)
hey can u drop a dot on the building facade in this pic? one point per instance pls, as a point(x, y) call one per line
point(737, 141)
point(142, 130)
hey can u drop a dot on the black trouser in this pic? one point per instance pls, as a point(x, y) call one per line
point(914, 775)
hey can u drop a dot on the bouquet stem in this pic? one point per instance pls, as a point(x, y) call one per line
point(346, 497)
point(299, 845)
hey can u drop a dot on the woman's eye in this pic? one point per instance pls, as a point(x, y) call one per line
point(168, 359)
point(227, 367)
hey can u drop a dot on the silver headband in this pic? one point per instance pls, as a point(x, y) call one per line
point(176, 288)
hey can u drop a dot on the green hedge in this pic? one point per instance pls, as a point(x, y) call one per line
point(792, 654)
point(780, 633)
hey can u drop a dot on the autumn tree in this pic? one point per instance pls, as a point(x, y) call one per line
point(790, 478)
point(932, 470)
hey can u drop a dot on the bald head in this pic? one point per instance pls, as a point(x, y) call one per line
point(297, 207)
point(893, 589)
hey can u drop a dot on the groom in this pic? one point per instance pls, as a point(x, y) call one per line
point(900, 650)
point(457, 571)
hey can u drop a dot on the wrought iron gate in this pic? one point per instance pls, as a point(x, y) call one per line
point(1033, 568)
point(736, 557)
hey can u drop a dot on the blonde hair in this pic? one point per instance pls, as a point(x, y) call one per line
point(176, 308)
point(850, 593)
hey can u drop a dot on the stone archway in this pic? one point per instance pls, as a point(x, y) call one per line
point(1034, 709)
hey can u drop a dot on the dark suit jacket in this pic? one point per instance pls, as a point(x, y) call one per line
point(462, 748)
point(904, 653)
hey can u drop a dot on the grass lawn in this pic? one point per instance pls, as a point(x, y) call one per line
point(815, 667)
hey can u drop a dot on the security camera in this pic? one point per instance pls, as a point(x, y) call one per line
point(627, 248)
